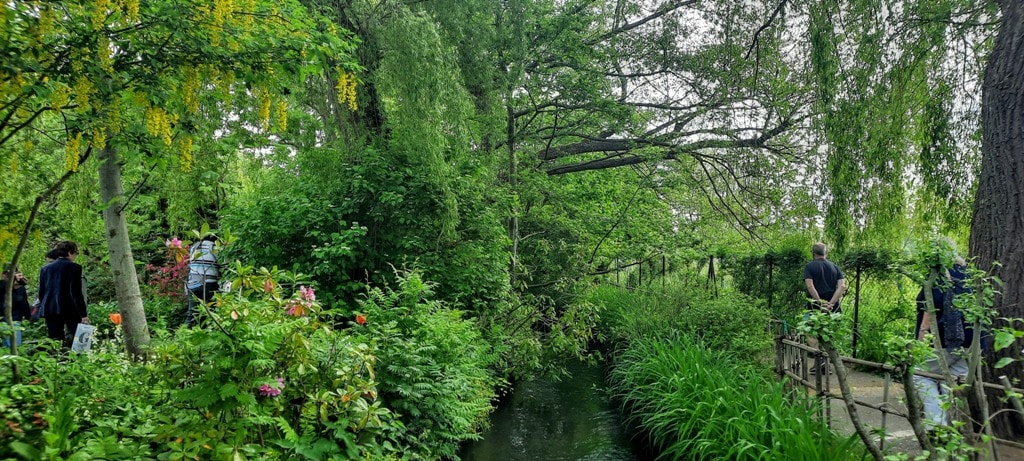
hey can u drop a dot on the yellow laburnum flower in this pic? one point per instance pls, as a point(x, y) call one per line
point(222, 11)
point(281, 115)
point(158, 124)
point(99, 138)
point(131, 10)
point(100, 8)
point(59, 97)
point(263, 99)
point(346, 88)
point(83, 92)
point(103, 55)
point(72, 154)
point(190, 88)
point(185, 153)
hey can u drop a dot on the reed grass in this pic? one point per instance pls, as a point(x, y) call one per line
point(698, 404)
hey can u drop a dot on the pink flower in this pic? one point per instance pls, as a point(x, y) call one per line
point(173, 243)
point(268, 390)
point(268, 285)
point(306, 293)
point(297, 309)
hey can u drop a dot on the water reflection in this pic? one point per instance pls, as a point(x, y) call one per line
point(571, 420)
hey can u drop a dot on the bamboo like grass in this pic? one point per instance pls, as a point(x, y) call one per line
point(698, 404)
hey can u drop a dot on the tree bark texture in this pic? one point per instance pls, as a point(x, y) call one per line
point(122, 264)
point(997, 228)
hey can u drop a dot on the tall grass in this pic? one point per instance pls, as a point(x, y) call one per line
point(697, 404)
point(731, 321)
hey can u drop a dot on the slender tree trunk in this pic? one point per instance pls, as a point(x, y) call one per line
point(997, 230)
point(122, 264)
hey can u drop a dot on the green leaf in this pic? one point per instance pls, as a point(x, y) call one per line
point(1003, 339)
point(1004, 362)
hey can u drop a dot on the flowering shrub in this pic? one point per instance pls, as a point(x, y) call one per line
point(254, 383)
point(168, 280)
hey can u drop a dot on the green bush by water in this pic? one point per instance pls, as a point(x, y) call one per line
point(731, 321)
point(697, 404)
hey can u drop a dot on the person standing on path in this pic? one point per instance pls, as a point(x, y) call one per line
point(825, 283)
point(825, 286)
point(61, 294)
point(954, 349)
point(203, 276)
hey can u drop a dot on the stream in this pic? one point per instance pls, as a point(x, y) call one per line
point(572, 420)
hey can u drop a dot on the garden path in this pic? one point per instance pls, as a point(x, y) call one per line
point(870, 387)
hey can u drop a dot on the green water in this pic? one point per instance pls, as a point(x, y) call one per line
point(570, 420)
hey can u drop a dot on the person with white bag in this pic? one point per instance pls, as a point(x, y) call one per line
point(61, 295)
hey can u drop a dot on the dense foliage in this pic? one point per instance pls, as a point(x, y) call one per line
point(511, 153)
point(269, 377)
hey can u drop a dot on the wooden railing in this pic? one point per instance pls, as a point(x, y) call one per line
point(795, 360)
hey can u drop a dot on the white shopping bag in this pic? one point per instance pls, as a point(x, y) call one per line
point(83, 338)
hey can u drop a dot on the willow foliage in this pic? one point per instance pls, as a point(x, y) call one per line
point(897, 103)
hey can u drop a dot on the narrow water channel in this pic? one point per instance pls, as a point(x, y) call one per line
point(572, 420)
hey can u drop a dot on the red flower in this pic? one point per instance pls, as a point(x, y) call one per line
point(115, 318)
point(361, 319)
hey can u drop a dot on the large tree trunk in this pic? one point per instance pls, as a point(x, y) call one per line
point(997, 230)
point(122, 264)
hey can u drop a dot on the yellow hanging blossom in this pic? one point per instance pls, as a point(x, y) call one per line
point(185, 153)
point(131, 9)
point(99, 138)
point(99, 13)
point(190, 88)
point(222, 11)
point(72, 154)
point(247, 7)
point(263, 99)
point(281, 115)
point(83, 92)
point(103, 55)
point(59, 97)
point(347, 89)
point(158, 124)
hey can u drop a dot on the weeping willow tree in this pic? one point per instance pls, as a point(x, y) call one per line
point(897, 105)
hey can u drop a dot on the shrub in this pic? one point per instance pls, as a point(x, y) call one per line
point(434, 369)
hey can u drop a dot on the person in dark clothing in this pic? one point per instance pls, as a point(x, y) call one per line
point(930, 390)
point(825, 283)
point(20, 308)
point(61, 296)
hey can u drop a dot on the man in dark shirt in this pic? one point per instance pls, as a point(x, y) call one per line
point(61, 297)
point(825, 288)
point(825, 282)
